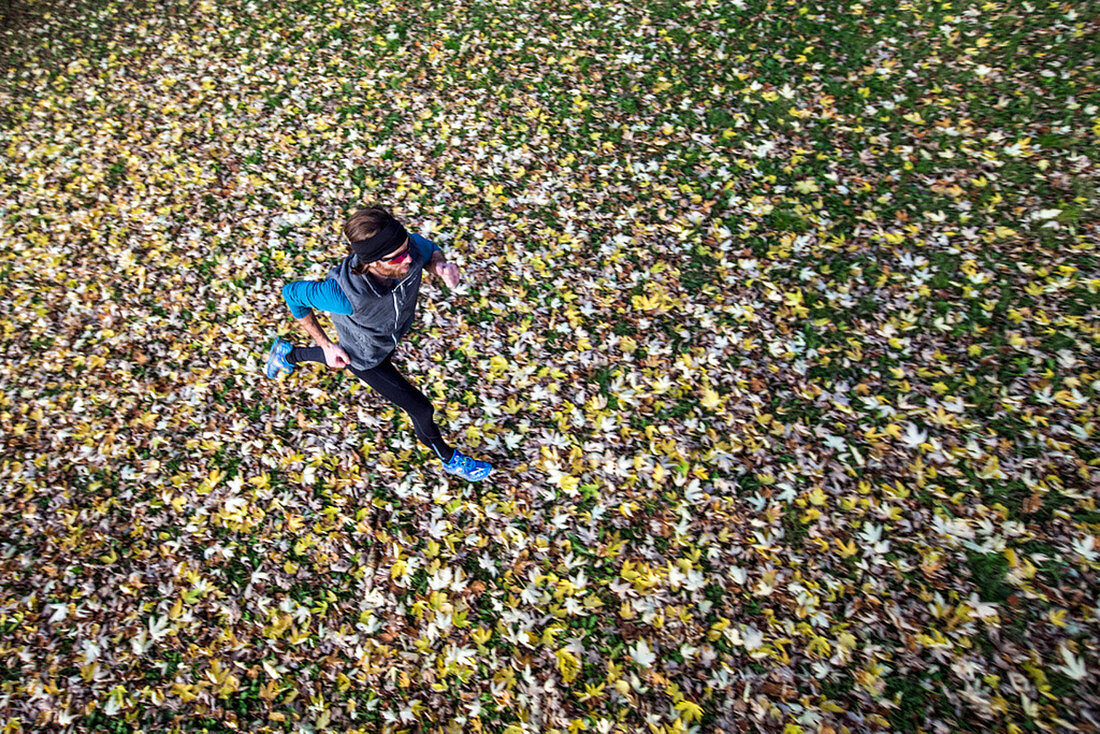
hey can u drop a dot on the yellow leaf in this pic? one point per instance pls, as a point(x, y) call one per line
point(550, 633)
point(568, 483)
point(711, 399)
point(846, 549)
point(592, 691)
point(568, 665)
point(269, 690)
point(819, 646)
point(185, 691)
point(689, 711)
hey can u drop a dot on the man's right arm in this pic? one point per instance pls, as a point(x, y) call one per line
point(305, 295)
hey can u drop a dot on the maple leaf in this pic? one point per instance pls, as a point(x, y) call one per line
point(689, 711)
point(641, 653)
point(568, 665)
point(913, 436)
point(1074, 666)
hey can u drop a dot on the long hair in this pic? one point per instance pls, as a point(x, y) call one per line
point(362, 225)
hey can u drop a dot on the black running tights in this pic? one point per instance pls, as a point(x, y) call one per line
point(390, 384)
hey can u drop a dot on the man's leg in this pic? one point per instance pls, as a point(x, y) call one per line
point(306, 354)
point(390, 384)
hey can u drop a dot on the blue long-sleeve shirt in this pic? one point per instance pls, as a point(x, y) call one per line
point(324, 295)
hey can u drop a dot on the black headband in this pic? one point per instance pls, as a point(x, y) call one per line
point(386, 240)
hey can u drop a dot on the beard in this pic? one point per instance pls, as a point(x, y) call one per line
point(392, 271)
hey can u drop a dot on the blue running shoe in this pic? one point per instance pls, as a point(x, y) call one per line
point(467, 468)
point(276, 358)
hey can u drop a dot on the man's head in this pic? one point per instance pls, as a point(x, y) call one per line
point(380, 243)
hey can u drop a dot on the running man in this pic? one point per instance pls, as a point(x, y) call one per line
point(371, 296)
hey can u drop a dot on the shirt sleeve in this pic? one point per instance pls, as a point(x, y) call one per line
point(324, 295)
point(426, 247)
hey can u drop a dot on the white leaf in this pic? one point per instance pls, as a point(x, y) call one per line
point(1084, 547)
point(158, 627)
point(1074, 667)
point(694, 494)
point(641, 654)
point(139, 643)
point(913, 436)
point(114, 701)
point(752, 638)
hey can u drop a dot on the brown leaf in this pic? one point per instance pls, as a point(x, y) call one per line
point(1032, 503)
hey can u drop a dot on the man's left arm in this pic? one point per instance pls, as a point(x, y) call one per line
point(438, 265)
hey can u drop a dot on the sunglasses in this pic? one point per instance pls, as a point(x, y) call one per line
point(399, 257)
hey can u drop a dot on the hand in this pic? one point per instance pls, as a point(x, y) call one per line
point(335, 356)
point(449, 272)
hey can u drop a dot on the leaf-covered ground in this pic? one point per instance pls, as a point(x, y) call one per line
point(781, 324)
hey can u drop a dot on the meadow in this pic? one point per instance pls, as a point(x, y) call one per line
point(780, 322)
